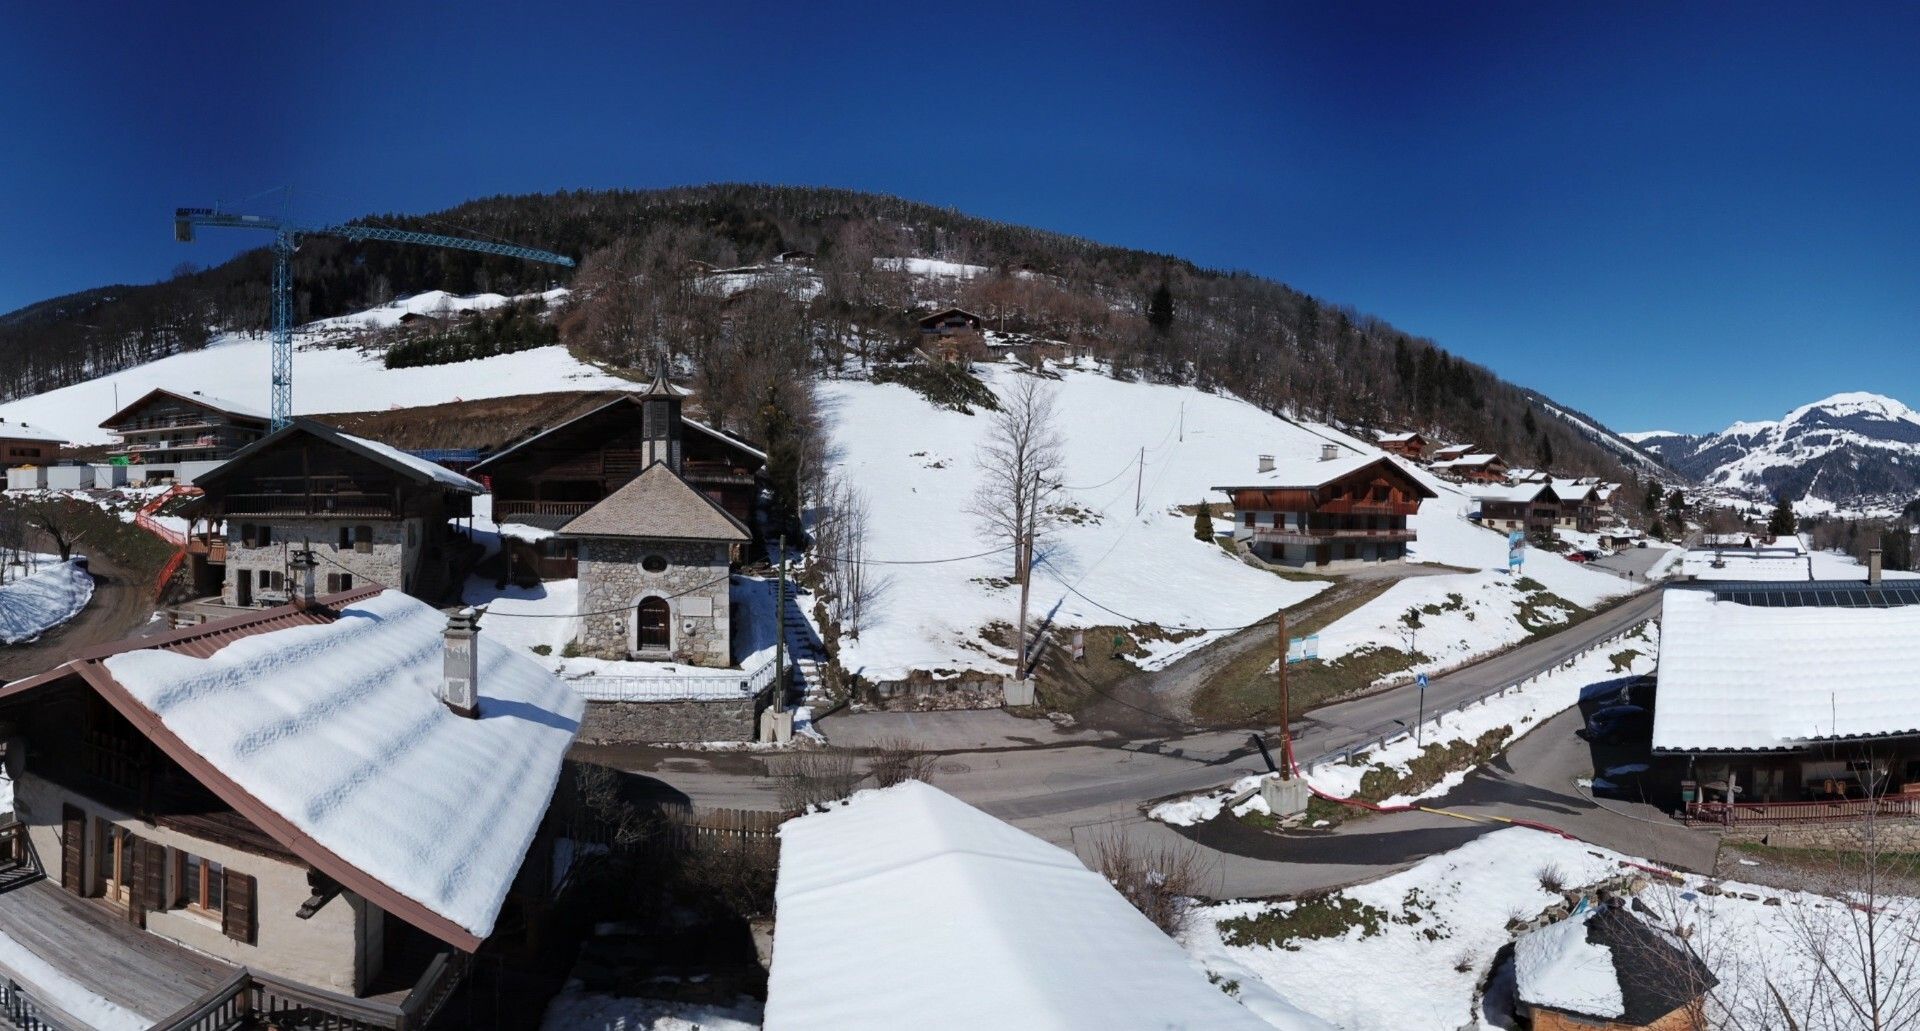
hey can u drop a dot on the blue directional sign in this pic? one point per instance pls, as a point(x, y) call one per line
point(1421, 680)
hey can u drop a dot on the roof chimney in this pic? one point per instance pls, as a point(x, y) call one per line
point(1329, 452)
point(1873, 567)
point(303, 564)
point(460, 686)
point(1266, 463)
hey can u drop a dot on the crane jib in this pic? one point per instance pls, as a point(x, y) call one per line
point(184, 219)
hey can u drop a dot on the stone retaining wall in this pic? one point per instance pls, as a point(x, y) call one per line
point(922, 692)
point(731, 719)
point(1890, 834)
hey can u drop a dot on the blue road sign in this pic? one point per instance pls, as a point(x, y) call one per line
point(1421, 680)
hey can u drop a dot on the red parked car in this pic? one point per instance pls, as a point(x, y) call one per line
point(1576, 557)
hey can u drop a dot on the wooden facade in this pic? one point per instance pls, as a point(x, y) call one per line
point(551, 478)
point(1356, 516)
point(167, 427)
point(1405, 445)
point(951, 321)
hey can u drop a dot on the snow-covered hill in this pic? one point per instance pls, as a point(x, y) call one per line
point(1854, 451)
point(328, 377)
point(1106, 565)
point(1623, 445)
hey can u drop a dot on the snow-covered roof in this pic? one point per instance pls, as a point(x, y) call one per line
point(1557, 967)
point(1468, 462)
point(1511, 492)
point(1307, 471)
point(906, 907)
point(1574, 490)
point(14, 429)
point(325, 729)
point(1737, 677)
point(191, 397)
point(1607, 963)
point(433, 470)
point(1395, 438)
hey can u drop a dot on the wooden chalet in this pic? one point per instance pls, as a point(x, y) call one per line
point(1410, 445)
point(1657, 981)
point(1343, 509)
point(184, 847)
point(1477, 467)
point(549, 479)
point(371, 513)
point(170, 435)
point(25, 444)
point(950, 321)
point(1529, 507)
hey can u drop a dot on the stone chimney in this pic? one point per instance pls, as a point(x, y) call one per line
point(1329, 452)
point(1266, 463)
point(460, 684)
point(1873, 567)
point(305, 597)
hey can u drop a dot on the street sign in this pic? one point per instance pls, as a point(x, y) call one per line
point(1421, 680)
point(1300, 649)
point(1420, 719)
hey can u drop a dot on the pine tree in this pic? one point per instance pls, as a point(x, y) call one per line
point(1782, 523)
point(1658, 530)
point(1546, 452)
point(1527, 423)
point(1203, 523)
point(1896, 547)
point(1160, 309)
point(1653, 496)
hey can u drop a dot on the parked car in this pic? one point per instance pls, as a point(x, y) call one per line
point(1640, 544)
point(1614, 723)
point(1577, 556)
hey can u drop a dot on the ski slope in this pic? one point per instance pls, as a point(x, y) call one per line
point(1107, 565)
point(327, 378)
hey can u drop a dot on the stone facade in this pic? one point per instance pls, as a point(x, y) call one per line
point(922, 692)
point(732, 719)
point(691, 577)
point(392, 558)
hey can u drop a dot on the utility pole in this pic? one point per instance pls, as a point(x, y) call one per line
point(780, 633)
point(1286, 732)
point(1183, 422)
point(1139, 473)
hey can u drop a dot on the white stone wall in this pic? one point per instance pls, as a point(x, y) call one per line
point(327, 950)
point(614, 580)
point(391, 561)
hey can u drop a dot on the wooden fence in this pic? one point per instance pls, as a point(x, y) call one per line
point(1735, 813)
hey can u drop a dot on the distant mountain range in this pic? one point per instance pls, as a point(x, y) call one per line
point(1859, 451)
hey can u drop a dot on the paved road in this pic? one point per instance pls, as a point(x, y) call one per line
point(1631, 562)
point(1071, 786)
point(120, 606)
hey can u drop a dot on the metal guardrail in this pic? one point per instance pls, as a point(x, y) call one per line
point(1377, 736)
point(595, 688)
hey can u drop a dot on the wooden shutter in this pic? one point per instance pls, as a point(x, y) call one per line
point(150, 887)
point(135, 873)
point(237, 908)
point(73, 838)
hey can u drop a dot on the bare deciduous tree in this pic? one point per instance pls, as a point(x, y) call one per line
point(839, 531)
point(1019, 466)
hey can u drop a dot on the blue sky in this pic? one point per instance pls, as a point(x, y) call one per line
point(1671, 217)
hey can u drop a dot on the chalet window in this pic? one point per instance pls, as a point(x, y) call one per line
point(346, 537)
point(363, 539)
point(246, 535)
point(1249, 518)
point(654, 563)
point(112, 860)
point(337, 582)
point(202, 884)
point(266, 535)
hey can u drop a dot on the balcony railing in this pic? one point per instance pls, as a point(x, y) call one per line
point(1329, 534)
point(1732, 813)
point(341, 503)
point(252, 999)
point(504, 508)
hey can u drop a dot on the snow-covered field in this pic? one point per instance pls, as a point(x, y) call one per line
point(39, 601)
point(1108, 565)
point(326, 378)
point(1126, 568)
point(1436, 928)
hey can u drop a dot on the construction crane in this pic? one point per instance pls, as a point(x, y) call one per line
point(286, 237)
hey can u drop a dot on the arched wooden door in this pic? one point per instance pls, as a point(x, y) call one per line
point(652, 623)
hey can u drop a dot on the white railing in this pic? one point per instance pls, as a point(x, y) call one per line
point(709, 686)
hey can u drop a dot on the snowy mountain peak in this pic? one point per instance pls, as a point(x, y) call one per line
point(1856, 449)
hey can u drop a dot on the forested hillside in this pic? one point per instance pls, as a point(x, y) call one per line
point(645, 284)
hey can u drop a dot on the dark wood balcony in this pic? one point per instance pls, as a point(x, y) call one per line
point(1330, 534)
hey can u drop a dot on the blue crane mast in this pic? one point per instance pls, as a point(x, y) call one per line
point(286, 236)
